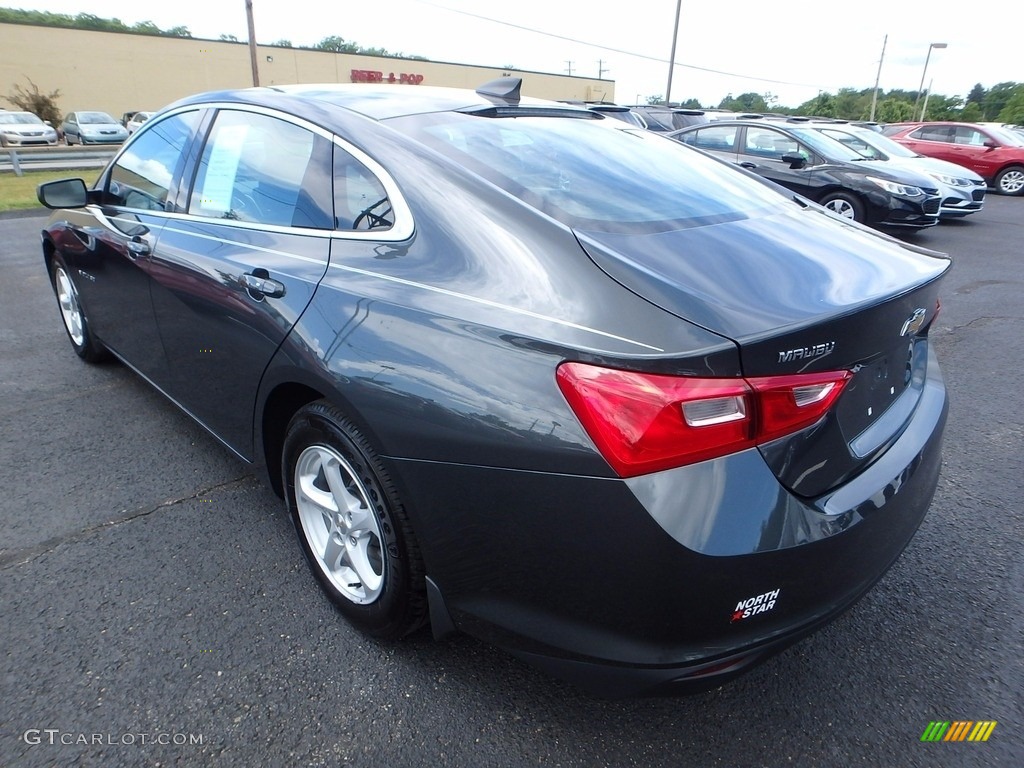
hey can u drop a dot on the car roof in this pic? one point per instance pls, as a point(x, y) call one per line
point(382, 101)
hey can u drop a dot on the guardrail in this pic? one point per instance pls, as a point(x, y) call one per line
point(21, 159)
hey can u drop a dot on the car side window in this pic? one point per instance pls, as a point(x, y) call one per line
point(360, 201)
point(261, 169)
point(933, 133)
point(720, 138)
point(141, 177)
point(855, 143)
point(772, 144)
point(968, 136)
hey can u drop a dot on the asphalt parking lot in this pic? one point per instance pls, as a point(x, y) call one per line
point(156, 609)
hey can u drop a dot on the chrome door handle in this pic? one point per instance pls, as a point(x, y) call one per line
point(258, 286)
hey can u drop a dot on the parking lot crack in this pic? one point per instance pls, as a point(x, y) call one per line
point(24, 555)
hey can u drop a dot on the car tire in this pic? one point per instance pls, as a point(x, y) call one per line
point(76, 324)
point(351, 525)
point(844, 205)
point(1010, 181)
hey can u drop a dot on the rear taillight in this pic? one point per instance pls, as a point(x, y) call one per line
point(644, 422)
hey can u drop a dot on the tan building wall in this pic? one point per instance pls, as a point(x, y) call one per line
point(117, 72)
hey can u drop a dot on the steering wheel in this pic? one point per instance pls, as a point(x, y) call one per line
point(375, 219)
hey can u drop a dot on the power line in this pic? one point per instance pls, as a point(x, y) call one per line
point(614, 50)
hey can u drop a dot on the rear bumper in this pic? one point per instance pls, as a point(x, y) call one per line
point(633, 587)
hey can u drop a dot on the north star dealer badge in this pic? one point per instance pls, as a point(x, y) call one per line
point(754, 605)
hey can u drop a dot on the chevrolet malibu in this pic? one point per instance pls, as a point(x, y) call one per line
point(522, 371)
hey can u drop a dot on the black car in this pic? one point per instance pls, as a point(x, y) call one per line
point(802, 159)
point(617, 111)
point(663, 119)
point(520, 370)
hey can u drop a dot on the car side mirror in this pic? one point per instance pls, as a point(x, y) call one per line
point(795, 160)
point(64, 193)
point(991, 144)
point(47, 122)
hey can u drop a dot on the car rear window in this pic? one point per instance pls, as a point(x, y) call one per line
point(593, 175)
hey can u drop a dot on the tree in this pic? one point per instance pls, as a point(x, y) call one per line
point(229, 38)
point(894, 110)
point(1013, 112)
point(336, 44)
point(283, 43)
point(943, 107)
point(977, 94)
point(971, 113)
point(43, 105)
point(822, 105)
point(655, 100)
point(996, 98)
point(745, 102)
point(146, 28)
point(690, 104)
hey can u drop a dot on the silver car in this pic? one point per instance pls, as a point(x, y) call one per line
point(92, 128)
point(22, 129)
point(963, 191)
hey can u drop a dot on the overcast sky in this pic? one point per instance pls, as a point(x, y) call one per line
point(789, 48)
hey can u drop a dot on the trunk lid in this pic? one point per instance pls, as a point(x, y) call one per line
point(799, 293)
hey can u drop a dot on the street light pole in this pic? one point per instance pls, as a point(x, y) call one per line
point(926, 95)
point(878, 77)
point(672, 56)
point(923, 74)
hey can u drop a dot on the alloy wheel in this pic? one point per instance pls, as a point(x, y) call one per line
point(340, 524)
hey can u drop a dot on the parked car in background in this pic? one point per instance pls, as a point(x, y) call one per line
point(518, 370)
point(963, 191)
point(994, 153)
point(23, 129)
point(805, 161)
point(664, 119)
point(136, 121)
point(616, 111)
point(92, 128)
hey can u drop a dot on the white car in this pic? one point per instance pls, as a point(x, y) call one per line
point(22, 129)
point(962, 190)
point(136, 122)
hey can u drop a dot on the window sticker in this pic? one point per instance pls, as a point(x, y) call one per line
point(222, 168)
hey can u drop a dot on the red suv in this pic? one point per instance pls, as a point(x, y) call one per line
point(995, 153)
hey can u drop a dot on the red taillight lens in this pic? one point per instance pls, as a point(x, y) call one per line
point(644, 422)
point(788, 404)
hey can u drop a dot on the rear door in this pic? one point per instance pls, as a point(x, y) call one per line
point(232, 276)
point(933, 141)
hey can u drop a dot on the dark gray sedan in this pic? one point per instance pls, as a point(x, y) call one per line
point(520, 370)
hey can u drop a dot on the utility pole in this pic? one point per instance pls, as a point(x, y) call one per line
point(878, 77)
point(600, 69)
point(252, 44)
point(672, 56)
point(569, 69)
